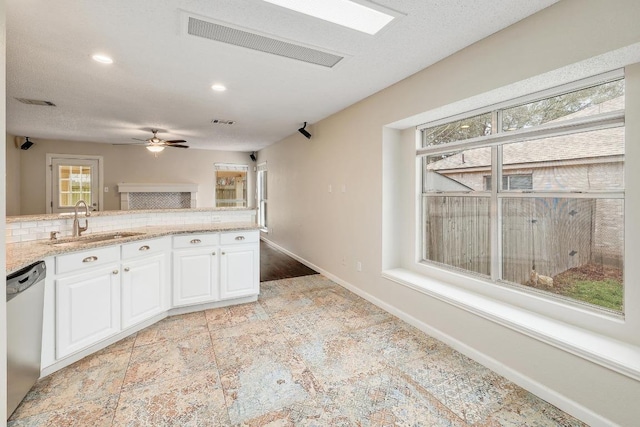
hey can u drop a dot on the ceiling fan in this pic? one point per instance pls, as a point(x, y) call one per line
point(156, 145)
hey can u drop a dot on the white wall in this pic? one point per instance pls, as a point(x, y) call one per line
point(12, 162)
point(121, 164)
point(3, 180)
point(346, 149)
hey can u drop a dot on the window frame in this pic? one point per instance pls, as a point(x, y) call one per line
point(231, 167)
point(496, 140)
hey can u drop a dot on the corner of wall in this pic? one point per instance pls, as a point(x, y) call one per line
point(13, 180)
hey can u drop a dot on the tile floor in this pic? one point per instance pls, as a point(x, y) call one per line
point(308, 353)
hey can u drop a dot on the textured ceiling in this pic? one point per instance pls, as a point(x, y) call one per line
point(161, 76)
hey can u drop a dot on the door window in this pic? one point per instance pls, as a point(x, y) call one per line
point(74, 179)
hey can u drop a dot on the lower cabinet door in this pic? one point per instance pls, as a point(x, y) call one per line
point(87, 309)
point(239, 271)
point(144, 289)
point(195, 276)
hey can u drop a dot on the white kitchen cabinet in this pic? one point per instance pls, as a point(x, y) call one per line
point(87, 308)
point(144, 286)
point(195, 274)
point(239, 270)
point(100, 295)
point(213, 267)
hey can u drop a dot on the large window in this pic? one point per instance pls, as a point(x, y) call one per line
point(231, 185)
point(555, 223)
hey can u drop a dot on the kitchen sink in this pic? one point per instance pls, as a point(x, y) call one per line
point(84, 240)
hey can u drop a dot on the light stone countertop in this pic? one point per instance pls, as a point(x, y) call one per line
point(20, 255)
point(45, 217)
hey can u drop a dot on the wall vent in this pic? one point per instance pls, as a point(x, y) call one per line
point(234, 36)
point(36, 102)
point(222, 122)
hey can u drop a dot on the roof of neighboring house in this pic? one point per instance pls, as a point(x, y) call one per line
point(439, 182)
point(584, 145)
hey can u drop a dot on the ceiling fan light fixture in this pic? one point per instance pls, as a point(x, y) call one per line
point(155, 148)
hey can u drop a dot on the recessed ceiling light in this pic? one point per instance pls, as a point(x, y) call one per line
point(342, 12)
point(218, 87)
point(465, 127)
point(103, 59)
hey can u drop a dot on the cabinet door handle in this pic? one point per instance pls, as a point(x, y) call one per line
point(90, 259)
point(115, 271)
point(224, 253)
point(144, 248)
point(126, 269)
point(196, 241)
point(240, 238)
point(214, 253)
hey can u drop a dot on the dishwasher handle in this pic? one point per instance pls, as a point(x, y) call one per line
point(23, 279)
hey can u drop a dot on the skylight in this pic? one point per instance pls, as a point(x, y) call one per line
point(342, 12)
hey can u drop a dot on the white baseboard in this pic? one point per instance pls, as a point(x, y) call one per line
point(567, 405)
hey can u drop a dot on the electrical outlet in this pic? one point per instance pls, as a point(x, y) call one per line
point(344, 188)
point(344, 260)
point(106, 189)
point(330, 188)
point(358, 266)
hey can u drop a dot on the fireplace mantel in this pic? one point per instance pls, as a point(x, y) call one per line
point(160, 195)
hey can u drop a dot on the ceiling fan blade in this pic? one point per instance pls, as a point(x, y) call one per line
point(177, 146)
point(175, 141)
point(131, 143)
point(138, 139)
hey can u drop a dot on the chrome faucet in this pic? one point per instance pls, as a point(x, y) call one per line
point(77, 230)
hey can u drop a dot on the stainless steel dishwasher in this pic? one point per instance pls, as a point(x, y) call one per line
point(25, 301)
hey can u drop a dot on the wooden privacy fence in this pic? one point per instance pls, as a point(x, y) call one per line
point(548, 234)
point(457, 232)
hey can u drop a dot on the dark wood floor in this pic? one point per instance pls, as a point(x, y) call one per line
point(276, 265)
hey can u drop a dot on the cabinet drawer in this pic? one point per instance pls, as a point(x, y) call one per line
point(87, 259)
point(249, 236)
point(196, 240)
point(144, 248)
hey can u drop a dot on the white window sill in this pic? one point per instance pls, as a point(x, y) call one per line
point(613, 354)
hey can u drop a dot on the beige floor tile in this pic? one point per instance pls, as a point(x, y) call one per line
point(169, 360)
point(268, 382)
point(235, 351)
point(335, 358)
point(93, 413)
point(191, 400)
point(258, 327)
point(172, 328)
point(235, 315)
point(99, 376)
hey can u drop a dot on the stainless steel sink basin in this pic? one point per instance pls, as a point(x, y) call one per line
point(80, 241)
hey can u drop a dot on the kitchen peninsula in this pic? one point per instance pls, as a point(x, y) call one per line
point(33, 232)
point(131, 269)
